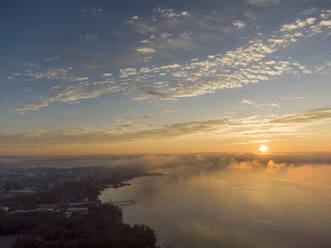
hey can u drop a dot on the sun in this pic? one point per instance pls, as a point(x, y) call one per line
point(263, 148)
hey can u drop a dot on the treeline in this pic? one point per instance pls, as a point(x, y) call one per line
point(102, 227)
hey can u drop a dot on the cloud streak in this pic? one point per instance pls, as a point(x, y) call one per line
point(305, 117)
point(244, 129)
point(263, 2)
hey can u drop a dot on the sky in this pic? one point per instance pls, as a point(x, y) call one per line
point(156, 76)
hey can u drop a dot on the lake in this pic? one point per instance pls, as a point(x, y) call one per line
point(242, 205)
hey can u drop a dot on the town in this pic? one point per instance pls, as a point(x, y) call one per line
point(67, 190)
point(65, 200)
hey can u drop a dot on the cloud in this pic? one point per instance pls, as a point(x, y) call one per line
point(297, 25)
point(88, 37)
point(305, 117)
point(310, 11)
point(141, 26)
point(71, 94)
point(252, 63)
point(51, 73)
point(274, 105)
point(263, 2)
point(171, 13)
point(326, 14)
point(145, 50)
point(24, 107)
point(124, 73)
point(165, 43)
point(185, 13)
point(31, 65)
point(325, 23)
point(50, 59)
point(107, 74)
point(252, 102)
point(244, 129)
point(239, 24)
point(93, 11)
point(159, 29)
point(247, 64)
point(249, 102)
point(249, 14)
point(120, 133)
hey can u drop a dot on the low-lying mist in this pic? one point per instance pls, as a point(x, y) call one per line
point(227, 200)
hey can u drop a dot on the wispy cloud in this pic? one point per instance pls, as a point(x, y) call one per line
point(171, 13)
point(263, 2)
point(50, 59)
point(145, 50)
point(35, 72)
point(93, 11)
point(141, 26)
point(107, 74)
point(25, 107)
point(127, 72)
point(88, 37)
point(239, 24)
point(247, 129)
point(253, 102)
point(305, 117)
point(71, 94)
point(249, 102)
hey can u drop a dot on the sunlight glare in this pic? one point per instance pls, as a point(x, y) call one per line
point(263, 148)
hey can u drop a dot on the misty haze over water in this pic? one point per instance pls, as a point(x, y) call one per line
point(207, 201)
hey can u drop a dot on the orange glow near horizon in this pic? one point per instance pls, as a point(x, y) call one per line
point(162, 146)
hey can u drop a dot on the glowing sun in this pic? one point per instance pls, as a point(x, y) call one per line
point(263, 148)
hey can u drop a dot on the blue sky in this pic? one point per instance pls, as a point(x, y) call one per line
point(72, 68)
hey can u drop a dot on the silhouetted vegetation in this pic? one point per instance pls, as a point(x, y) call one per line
point(20, 224)
point(101, 227)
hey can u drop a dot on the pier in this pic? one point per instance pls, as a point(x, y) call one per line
point(124, 203)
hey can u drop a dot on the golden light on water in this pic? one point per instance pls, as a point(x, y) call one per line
point(263, 149)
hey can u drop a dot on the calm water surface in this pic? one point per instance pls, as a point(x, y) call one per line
point(195, 207)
